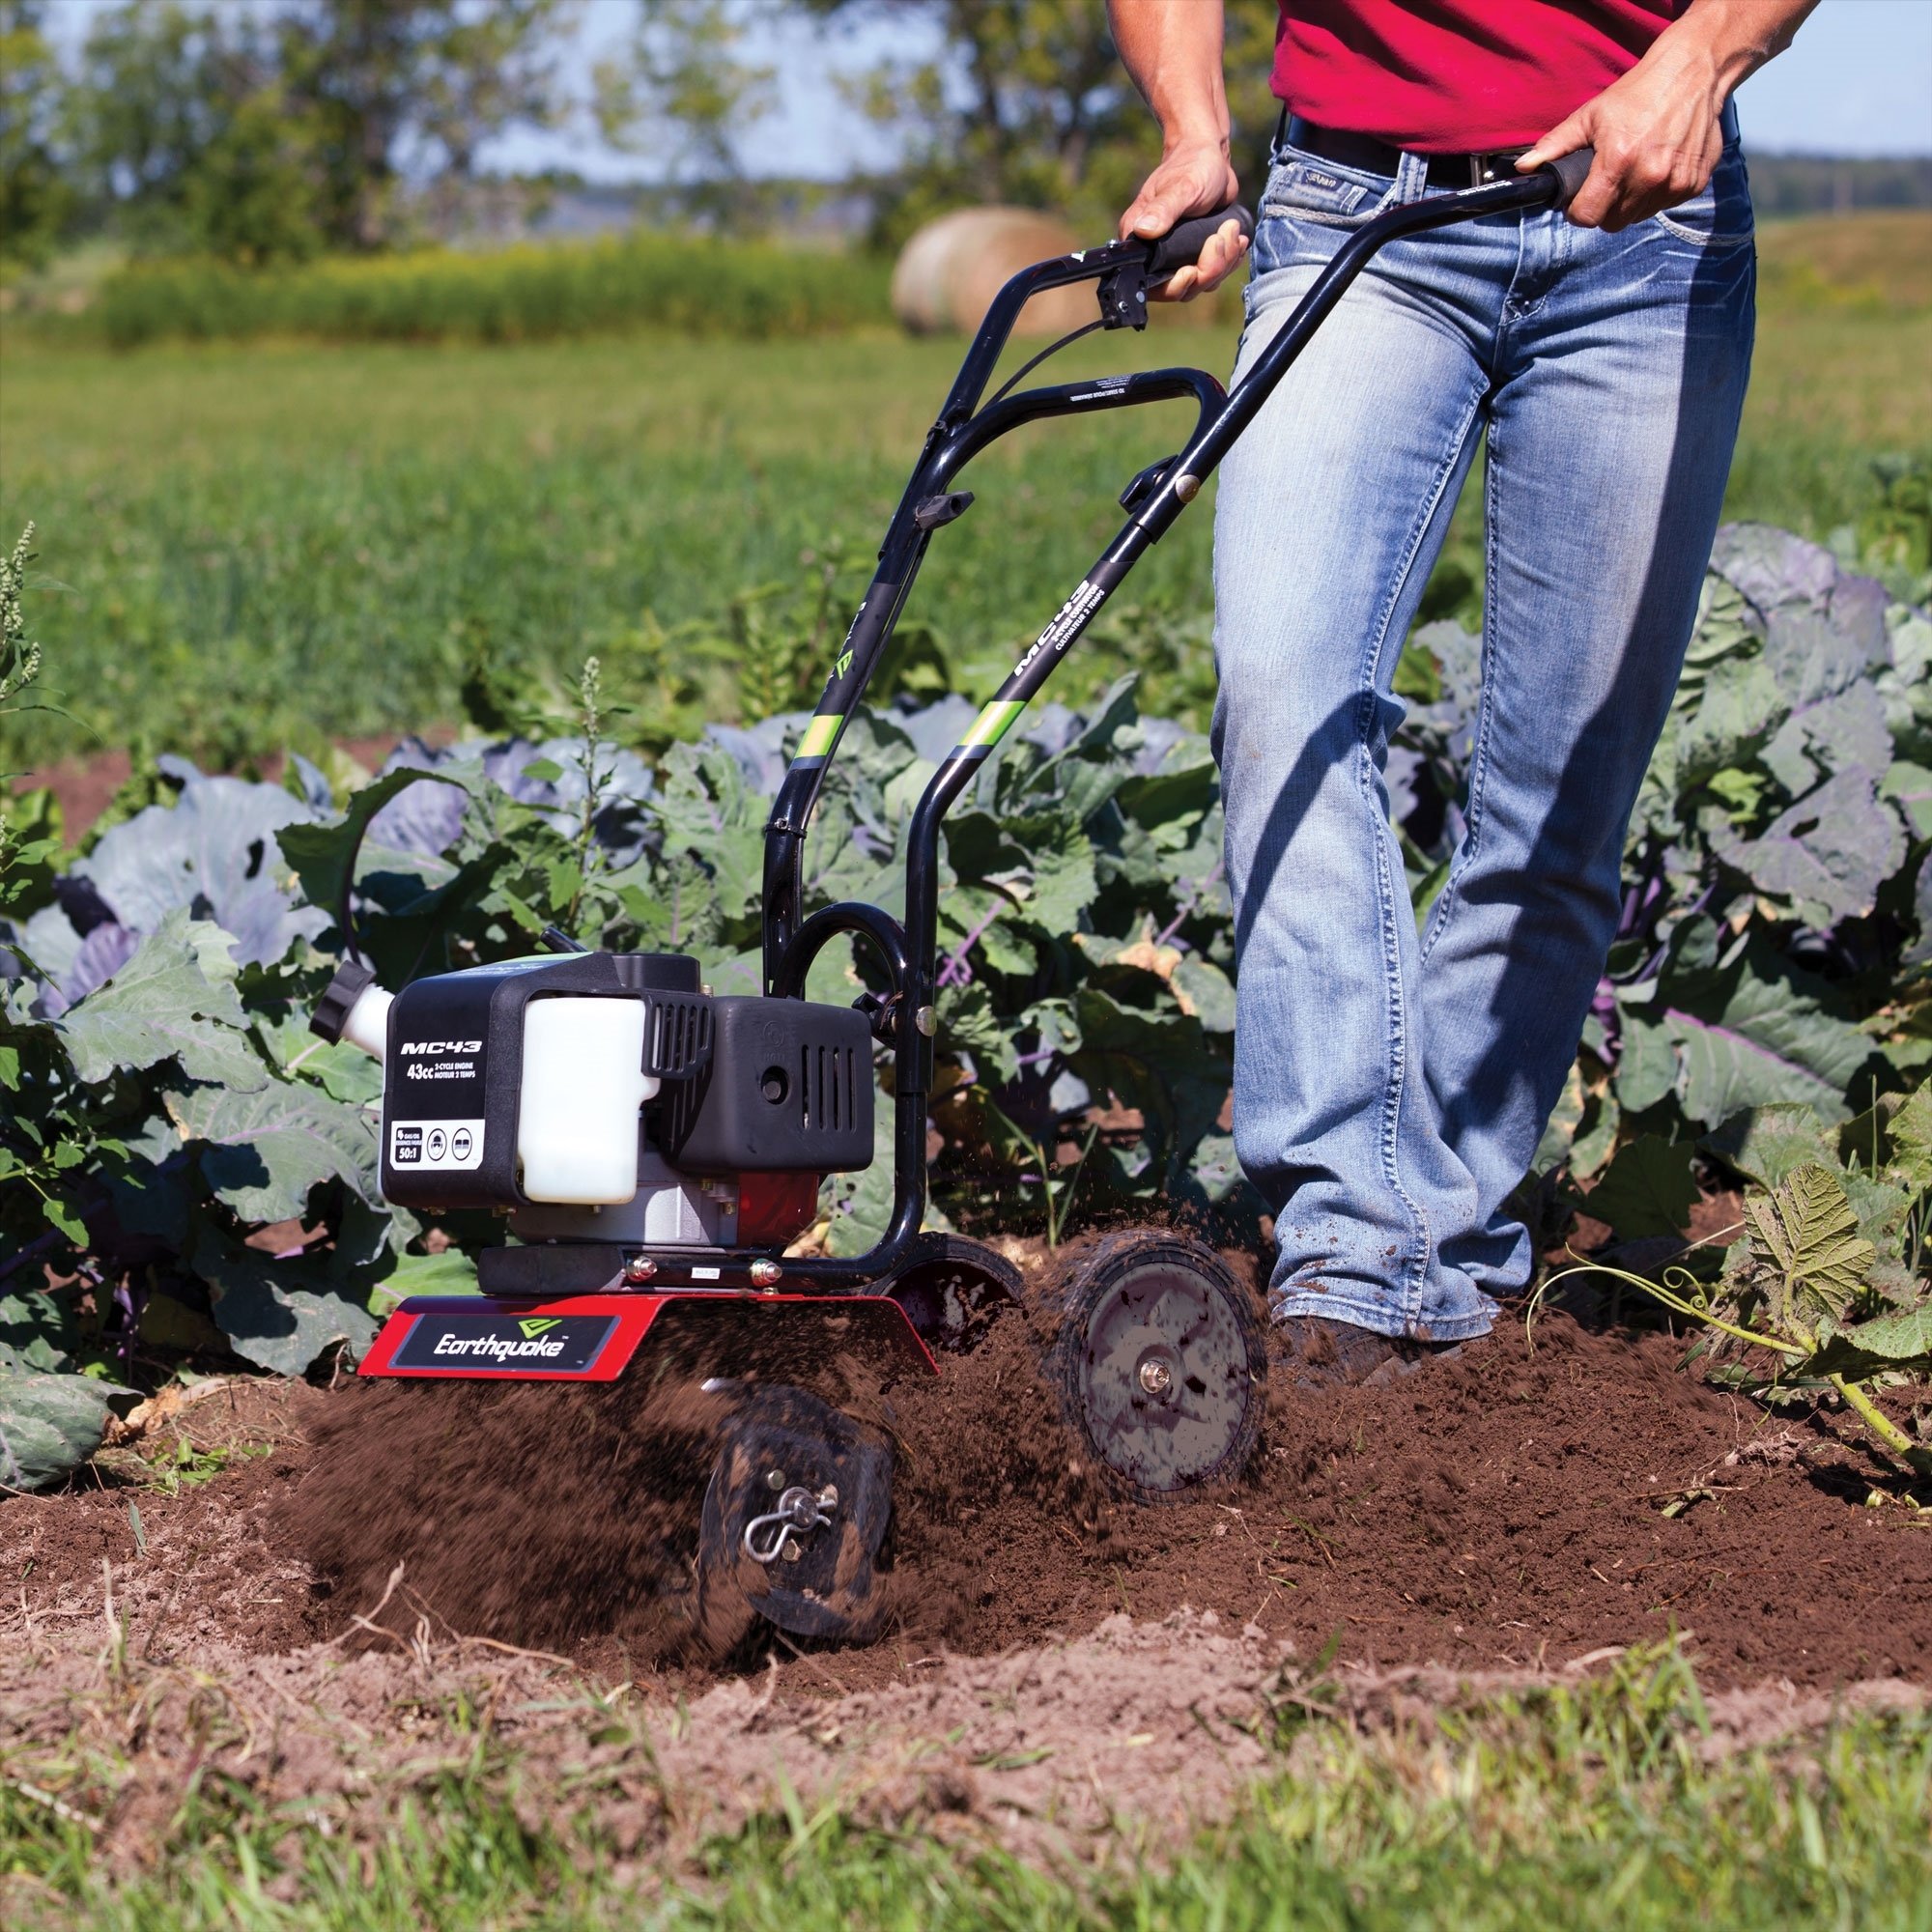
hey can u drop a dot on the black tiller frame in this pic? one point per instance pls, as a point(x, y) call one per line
point(904, 1019)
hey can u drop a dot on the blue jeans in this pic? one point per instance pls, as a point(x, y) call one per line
point(1391, 1085)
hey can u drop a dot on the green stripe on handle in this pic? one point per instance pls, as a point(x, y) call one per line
point(992, 725)
point(821, 734)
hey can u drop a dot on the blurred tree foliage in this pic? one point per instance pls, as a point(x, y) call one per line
point(271, 136)
point(682, 90)
point(35, 200)
point(272, 133)
point(1026, 102)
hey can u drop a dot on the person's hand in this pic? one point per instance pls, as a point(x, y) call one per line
point(1189, 181)
point(1657, 132)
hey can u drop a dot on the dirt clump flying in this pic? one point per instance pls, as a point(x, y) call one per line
point(1517, 1506)
point(530, 1513)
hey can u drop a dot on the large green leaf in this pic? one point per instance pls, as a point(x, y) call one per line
point(1205, 991)
point(706, 812)
point(1750, 1030)
point(1767, 1144)
point(1647, 1065)
point(263, 1151)
point(161, 1006)
point(1828, 854)
point(49, 1425)
point(38, 1328)
point(1911, 786)
point(968, 1023)
point(1739, 709)
point(1648, 1189)
point(1063, 883)
point(450, 1272)
point(1910, 1134)
point(1903, 1336)
point(1814, 1263)
point(321, 855)
point(281, 1315)
point(1845, 730)
point(1161, 1063)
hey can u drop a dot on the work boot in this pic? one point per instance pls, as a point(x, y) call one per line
point(1312, 1348)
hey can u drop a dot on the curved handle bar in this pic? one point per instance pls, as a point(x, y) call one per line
point(1182, 245)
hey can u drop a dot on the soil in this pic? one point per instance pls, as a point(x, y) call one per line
point(1520, 1505)
point(1515, 1506)
point(372, 1557)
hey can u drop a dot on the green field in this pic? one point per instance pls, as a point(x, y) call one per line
point(247, 546)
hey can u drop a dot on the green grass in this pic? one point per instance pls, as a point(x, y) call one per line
point(1596, 1807)
point(252, 545)
point(526, 293)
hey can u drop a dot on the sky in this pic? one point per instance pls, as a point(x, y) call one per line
point(1858, 81)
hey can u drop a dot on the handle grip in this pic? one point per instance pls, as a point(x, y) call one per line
point(1182, 245)
point(1568, 172)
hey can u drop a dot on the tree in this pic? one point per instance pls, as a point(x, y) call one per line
point(264, 135)
point(1026, 101)
point(35, 200)
point(682, 91)
point(396, 89)
point(157, 88)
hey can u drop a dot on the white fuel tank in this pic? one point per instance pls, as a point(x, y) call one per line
point(583, 1085)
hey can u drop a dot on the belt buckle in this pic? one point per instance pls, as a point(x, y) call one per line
point(1497, 164)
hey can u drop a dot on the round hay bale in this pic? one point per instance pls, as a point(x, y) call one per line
point(951, 269)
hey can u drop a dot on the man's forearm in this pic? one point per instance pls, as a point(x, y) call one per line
point(1735, 36)
point(1173, 54)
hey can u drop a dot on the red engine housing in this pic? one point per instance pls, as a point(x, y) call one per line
point(774, 1209)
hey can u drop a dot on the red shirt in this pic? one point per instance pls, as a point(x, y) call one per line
point(1455, 76)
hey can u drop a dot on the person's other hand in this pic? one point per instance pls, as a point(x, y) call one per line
point(1189, 181)
point(1657, 132)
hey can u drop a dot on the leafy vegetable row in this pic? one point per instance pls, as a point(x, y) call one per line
point(184, 1168)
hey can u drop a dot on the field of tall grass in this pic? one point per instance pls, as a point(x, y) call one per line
point(246, 545)
point(527, 293)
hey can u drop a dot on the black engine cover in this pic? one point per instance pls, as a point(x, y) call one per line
point(749, 1085)
point(788, 1090)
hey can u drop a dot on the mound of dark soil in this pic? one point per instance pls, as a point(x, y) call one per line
point(545, 1514)
point(1515, 1507)
point(1525, 1505)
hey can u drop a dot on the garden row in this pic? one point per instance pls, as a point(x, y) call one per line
point(186, 1168)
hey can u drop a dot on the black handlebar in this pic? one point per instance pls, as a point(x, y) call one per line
point(965, 426)
point(1182, 245)
point(1570, 172)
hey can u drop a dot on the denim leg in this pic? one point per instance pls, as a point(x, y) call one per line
point(1622, 367)
point(1388, 1094)
point(1332, 511)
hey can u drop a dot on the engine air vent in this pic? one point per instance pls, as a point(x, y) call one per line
point(678, 1040)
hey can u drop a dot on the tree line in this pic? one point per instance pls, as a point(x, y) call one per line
point(274, 133)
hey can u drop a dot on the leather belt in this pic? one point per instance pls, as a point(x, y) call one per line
point(1365, 152)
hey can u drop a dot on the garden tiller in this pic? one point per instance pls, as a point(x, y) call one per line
point(656, 1148)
